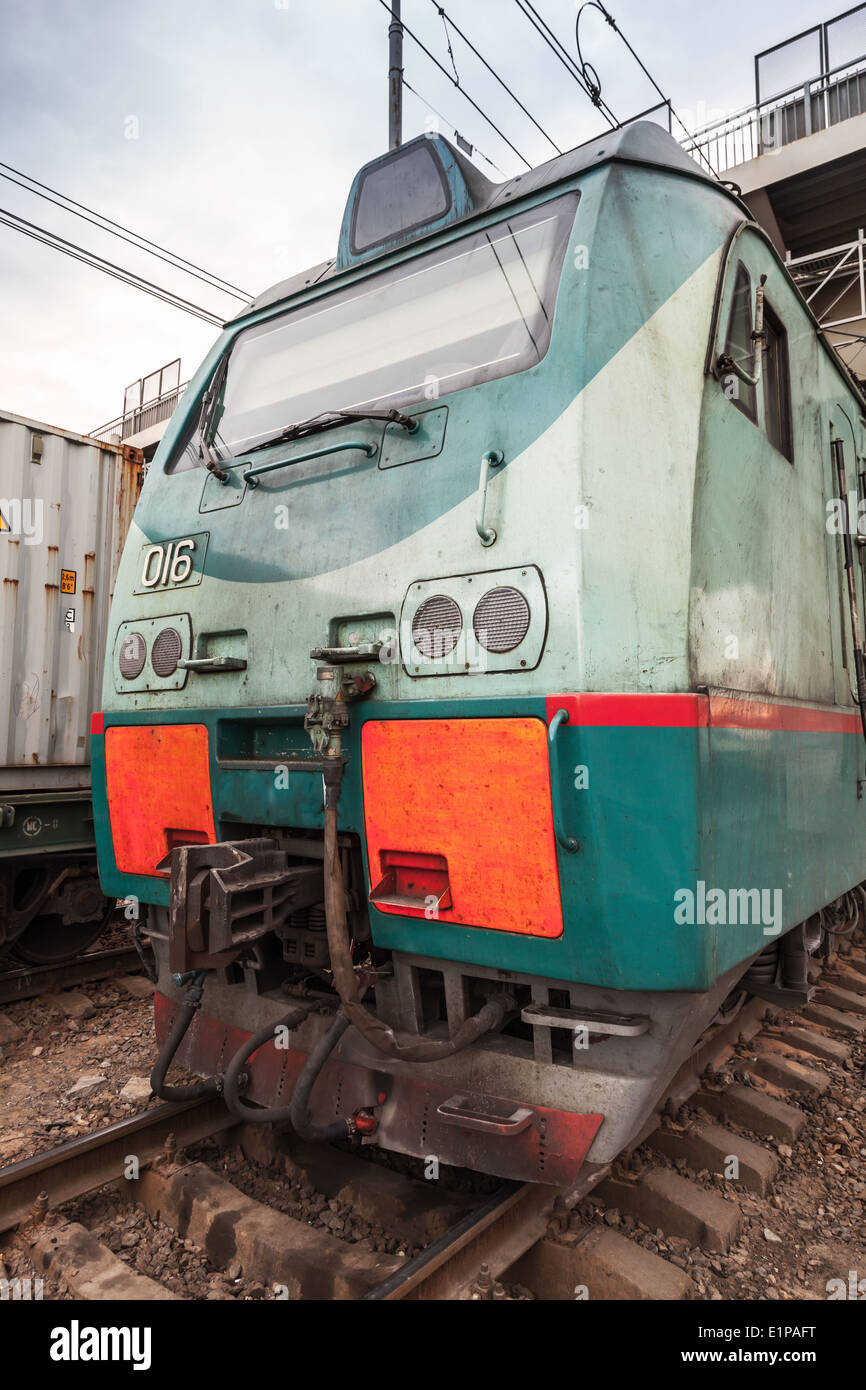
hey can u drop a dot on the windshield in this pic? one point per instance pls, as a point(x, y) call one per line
point(477, 309)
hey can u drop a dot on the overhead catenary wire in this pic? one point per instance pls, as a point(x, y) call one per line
point(449, 125)
point(445, 23)
point(455, 83)
point(117, 272)
point(529, 12)
point(645, 70)
point(561, 53)
point(446, 18)
point(118, 229)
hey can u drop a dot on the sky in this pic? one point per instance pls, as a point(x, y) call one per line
point(230, 131)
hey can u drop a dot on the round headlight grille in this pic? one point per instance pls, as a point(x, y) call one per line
point(501, 620)
point(133, 651)
point(166, 652)
point(437, 626)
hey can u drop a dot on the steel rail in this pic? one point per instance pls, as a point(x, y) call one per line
point(29, 981)
point(496, 1234)
point(91, 1160)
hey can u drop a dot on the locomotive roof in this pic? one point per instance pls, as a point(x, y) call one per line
point(644, 142)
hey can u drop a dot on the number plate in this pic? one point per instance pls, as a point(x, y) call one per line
point(171, 564)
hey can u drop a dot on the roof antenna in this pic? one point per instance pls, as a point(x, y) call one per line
point(395, 78)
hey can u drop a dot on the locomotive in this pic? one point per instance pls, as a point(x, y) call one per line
point(481, 720)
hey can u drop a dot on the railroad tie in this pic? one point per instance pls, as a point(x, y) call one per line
point(74, 1256)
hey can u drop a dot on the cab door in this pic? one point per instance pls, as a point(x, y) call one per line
point(847, 491)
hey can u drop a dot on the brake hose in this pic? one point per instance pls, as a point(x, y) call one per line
point(297, 1111)
point(212, 1085)
point(371, 1028)
point(232, 1084)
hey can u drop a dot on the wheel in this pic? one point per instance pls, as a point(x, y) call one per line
point(731, 1006)
point(48, 940)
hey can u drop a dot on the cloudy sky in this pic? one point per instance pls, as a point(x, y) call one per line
point(229, 131)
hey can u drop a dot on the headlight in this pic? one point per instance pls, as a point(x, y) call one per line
point(501, 620)
point(166, 652)
point(133, 652)
point(437, 626)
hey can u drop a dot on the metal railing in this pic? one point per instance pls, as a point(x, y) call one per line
point(825, 278)
point(766, 128)
point(142, 417)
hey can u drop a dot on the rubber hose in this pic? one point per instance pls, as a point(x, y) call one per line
point(299, 1107)
point(210, 1087)
point(148, 966)
point(377, 1033)
point(255, 1114)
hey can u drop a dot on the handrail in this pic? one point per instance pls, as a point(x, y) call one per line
point(566, 842)
point(757, 108)
point(252, 474)
point(134, 417)
point(492, 459)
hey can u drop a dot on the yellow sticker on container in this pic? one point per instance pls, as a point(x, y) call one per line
point(67, 581)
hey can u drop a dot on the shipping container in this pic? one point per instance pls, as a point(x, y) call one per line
point(66, 501)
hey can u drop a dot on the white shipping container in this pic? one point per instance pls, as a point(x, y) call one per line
point(66, 502)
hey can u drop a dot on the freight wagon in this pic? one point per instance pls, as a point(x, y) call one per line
point(66, 502)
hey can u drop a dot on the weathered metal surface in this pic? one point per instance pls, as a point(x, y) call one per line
point(66, 502)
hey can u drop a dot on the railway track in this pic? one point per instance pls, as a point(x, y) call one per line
point(288, 1214)
point(29, 981)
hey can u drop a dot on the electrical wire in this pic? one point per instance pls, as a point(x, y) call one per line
point(455, 83)
point(449, 125)
point(79, 253)
point(559, 51)
point(171, 257)
point(446, 18)
point(645, 70)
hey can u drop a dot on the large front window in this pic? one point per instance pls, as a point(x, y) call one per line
point(477, 309)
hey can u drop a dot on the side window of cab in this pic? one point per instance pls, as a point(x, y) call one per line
point(739, 345)
point(776, 373)
point(767, 403)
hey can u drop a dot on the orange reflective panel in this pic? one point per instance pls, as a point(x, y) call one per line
point(159, 796)
point(472, 795)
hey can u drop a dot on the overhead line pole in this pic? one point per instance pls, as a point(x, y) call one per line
point(435, 61)
point(395, 78)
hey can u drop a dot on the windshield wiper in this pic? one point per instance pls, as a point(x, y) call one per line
point(328, 420)
point(205, 414)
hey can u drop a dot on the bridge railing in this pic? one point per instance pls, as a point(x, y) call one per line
point(142, 417)
point(767, 127)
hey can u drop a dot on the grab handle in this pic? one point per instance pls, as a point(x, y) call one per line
point(252, 475)
point(491, 459)
point(566, 842)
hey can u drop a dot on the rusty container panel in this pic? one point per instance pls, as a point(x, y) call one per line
point(66, 502)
